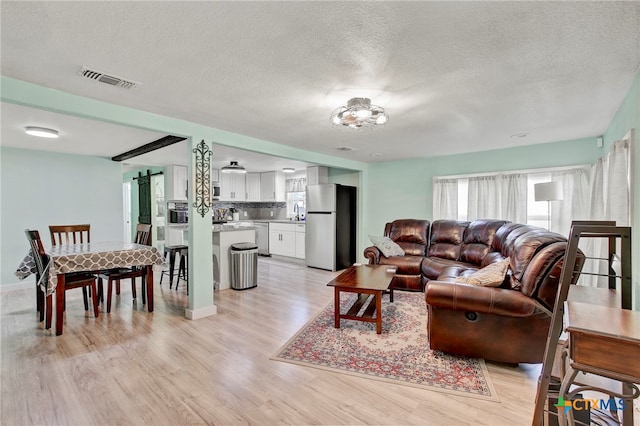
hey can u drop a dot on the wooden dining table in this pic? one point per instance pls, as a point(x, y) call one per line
point(91, 257)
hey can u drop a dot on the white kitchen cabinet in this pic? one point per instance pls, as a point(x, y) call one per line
point(282, 239)
point(317, 175)
point(253, 186)
point(272, 186)
point(176, 183)
point(232, 187)
point(215, 175)
point(300, 240)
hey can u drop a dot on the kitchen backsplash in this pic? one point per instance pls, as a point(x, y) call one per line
point(256, 211)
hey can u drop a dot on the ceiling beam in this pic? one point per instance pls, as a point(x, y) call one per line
point(151, 146)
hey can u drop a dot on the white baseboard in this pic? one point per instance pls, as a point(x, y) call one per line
point(17, 286)
point(200, 313)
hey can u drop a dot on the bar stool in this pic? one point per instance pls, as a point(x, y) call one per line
point(172, 251)
point(183, 268)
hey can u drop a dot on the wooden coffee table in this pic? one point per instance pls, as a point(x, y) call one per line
point(369, 282)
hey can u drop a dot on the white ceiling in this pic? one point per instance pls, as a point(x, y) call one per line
point(453, 76)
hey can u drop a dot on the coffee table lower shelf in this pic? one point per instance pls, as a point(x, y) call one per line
point(372, 312)
point(368, 282)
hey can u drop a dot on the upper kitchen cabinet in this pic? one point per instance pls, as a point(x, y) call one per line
point(272, 186)
point(317, 175)
point(253, 186)
point(176, 183)
point(215, 175)
point(232, 187)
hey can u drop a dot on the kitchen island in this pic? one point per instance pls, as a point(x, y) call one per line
point(223, 237)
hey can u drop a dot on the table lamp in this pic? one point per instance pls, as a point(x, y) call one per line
point(548, 191)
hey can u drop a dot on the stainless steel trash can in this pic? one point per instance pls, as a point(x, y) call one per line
point(244, 266)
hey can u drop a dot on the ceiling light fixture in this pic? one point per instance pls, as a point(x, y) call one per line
point(233, 167)
point(358, 113)
point(41, 132)
point(288, 170)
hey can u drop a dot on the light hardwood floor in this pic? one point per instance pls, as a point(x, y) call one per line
point(133, 368)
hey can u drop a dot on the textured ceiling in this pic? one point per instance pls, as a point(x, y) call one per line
point(453, 76)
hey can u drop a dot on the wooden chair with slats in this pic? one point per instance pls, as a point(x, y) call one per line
point(70, 234)
point(73, 234)
point(79, 280)
point(143, 236)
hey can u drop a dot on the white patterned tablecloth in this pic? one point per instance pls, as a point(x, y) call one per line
point(89, 257)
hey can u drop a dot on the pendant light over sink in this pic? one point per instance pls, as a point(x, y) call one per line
point(233, 167)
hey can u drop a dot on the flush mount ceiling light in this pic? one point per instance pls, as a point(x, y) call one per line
point(288, 170)
point(358, 113)
point(41, 132)
point(233, 167)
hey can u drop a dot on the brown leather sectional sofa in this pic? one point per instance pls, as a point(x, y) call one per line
point(507, 323)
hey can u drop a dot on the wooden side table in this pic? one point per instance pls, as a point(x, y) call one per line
point(603, 341)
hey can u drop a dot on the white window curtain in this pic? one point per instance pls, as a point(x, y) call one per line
point(610, 199)
point(575, 199)
point(445, 199)
point(498, 197)
point(296, 185)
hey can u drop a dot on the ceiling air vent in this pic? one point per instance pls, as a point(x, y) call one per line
point(111, 80)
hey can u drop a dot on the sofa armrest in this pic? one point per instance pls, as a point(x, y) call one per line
point(373, 253)
point(487, 300)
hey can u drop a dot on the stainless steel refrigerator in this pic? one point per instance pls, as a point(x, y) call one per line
point(330, 240)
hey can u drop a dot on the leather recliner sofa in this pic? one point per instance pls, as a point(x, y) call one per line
point(507, 323)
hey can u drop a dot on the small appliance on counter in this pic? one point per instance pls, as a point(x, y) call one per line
point(178, 212)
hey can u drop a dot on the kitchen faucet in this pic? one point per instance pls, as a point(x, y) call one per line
point(296, 210)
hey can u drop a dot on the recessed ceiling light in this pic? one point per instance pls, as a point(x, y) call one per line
point(346, 148)
point(41, 132)
point(288, 170)
point(520, 135)
point(375, 154)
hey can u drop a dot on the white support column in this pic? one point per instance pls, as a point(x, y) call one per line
point(201, 303)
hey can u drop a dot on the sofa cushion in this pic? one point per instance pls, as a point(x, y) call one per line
point(386, 246)
point(446, 239)
point(432, 267)
point(406, 265)
point(490, 276)
point(410, 234)
point(478, 239)
point(524, 249)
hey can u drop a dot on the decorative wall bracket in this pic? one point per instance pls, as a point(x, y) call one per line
point(202, 185)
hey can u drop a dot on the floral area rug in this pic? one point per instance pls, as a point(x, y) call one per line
point(399, 355)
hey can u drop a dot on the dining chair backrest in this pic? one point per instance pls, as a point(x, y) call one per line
point(143, 234)
point(70, 234)
point(37, 250)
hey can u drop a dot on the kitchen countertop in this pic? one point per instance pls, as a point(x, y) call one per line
point(230, 227)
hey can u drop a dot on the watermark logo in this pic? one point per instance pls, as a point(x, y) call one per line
point(583, 404)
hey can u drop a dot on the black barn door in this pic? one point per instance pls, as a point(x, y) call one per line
point(144, 198)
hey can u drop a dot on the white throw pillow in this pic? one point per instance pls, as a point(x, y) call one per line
point(490, 276)
point(387, 246)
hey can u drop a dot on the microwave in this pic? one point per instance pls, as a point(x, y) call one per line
point(178, 216)
point(215, 191)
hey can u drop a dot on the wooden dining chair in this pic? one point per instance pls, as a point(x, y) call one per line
point(73, 234)
point(75, 280)
point(143, 237)
point(70, 234)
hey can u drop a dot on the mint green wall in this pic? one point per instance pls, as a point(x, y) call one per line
point(628, 117)
point(44, 188)
point(23, 93)
point(403, 189)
